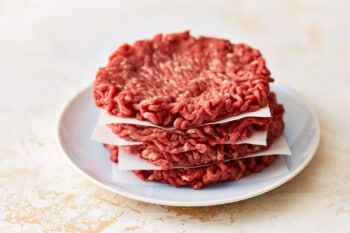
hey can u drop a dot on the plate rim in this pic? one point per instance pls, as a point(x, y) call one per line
point(283, 180)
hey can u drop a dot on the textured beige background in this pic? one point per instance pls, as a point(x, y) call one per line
point(50, 50)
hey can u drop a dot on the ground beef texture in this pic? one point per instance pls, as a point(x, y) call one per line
point(182, 81)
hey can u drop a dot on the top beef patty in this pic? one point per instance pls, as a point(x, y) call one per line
point(181, 81)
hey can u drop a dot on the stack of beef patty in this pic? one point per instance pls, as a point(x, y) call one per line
point(187, 84)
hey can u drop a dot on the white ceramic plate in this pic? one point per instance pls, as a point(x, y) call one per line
point(92, 160)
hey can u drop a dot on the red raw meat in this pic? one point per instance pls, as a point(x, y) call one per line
point(181, 81)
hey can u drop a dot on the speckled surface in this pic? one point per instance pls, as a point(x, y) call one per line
point(50, 50)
